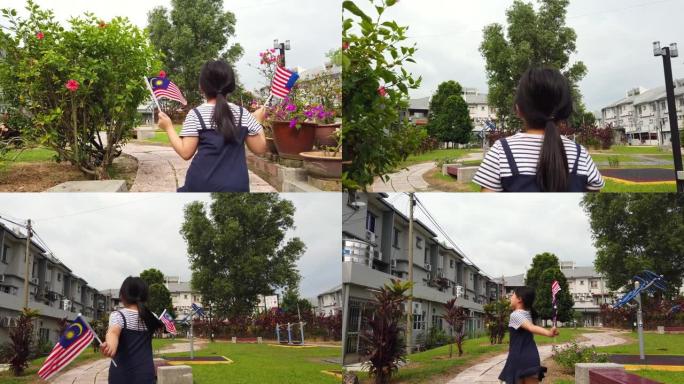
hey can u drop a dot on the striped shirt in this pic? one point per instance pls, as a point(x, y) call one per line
point(192, 126)
point(518, 318)
point(526, 148)
point(133, 321)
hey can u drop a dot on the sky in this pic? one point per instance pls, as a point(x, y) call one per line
point(502, 233)
point(312, 26)
point(104, 238)
point(614, 40)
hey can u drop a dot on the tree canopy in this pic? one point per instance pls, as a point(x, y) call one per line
point(545, 269)
point(449, 118)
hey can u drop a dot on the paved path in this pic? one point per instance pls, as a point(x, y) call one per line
point(160, 169)
point(411, 179)
point(489, 370)
point(97, 372)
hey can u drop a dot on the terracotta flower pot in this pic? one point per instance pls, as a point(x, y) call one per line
point(325, 135)
point(290, 142)
point(323, 165)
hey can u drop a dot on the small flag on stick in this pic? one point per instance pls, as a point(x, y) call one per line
point(162, 87)
point(168, 322)
point(198, 310)
point(73, 341)
point(555, 288)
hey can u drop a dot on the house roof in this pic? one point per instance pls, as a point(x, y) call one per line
point(511, 281)
point(478, 98)
point(179, 287)
point(422, 104)
point(576, 272)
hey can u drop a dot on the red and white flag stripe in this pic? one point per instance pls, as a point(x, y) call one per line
point(60, 357)
point(555, 288)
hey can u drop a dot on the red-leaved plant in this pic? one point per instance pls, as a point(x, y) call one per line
point(21, 339)
point(456, 316)
point(385, 346)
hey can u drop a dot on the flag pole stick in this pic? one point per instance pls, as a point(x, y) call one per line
point(149, 87)
point(95, 334)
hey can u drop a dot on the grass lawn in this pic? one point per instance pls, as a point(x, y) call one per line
point(662, 376)
point(264, 363)
point(626, 149)
point(435, 155)
point(425, 367)
point(160, 137)
point(31, 373)
point(615, 187)
point(27, 156)
point(654, 344)
point(601, 158)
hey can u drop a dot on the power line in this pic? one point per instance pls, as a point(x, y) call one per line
point(13, 222)
point(99, 209)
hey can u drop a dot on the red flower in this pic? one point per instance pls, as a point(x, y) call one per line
point(162, 74)
point(102, 24)
point(72, 85)
point(345, 45)
point(382, 91)
point(40, 35)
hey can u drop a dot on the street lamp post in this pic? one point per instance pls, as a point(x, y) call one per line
point(668, 53)
point(282, 47)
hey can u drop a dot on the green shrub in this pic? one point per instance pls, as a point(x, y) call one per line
point(573, 354)
point(436, 338)
point(614, 161)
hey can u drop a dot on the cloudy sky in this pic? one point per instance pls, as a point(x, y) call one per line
point(502, 233)
point(614, 40)
point(106, 237)
point(312, 26)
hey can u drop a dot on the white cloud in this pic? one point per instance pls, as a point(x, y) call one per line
point(105, 237)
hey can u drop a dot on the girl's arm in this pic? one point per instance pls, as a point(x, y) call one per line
point(257, 143)
point(537, 330)
point(111, 343)
point(185, 147)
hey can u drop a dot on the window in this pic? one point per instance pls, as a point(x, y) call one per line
point(451, 263)
point(44, 335)
point(419, 321)
point(185, 297)
point(581, 282)
point(5, 254)
point(594, 283)
point(419, 243)
point(370, 222)
point(395, 238)
point(59, 277)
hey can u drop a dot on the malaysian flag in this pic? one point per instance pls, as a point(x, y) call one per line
point(168, 322)
point(197, 309)
point(283, 81)
point(162, 87)
point(73, 341)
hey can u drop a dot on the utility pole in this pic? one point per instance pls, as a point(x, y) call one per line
point(668, 53)
point(640, 322)
point(409, 313)
point(28, 263)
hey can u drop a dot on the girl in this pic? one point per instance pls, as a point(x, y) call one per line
point(129, 336)
point(215, 133)
point(523, 365)
point(540, 159)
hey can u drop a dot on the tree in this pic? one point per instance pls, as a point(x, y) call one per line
point(152, 276)
point(532, 38)
point(191, 33)
point(543, 306)
point(637, 232)
point(160, 299)
point(75, 90)
point(238, 250)
point(540, 263)
point(449, 118)
point(21, 340)
point(496, 319)
point(456, 316)
point(293, 304)
point(385, 348)
point(375, 91)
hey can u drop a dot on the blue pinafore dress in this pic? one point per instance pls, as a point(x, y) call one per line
point(523, 358)
point(135, 364)
point(218, 166)
point(528, 183)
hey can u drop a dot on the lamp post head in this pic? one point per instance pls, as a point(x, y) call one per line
point(287, 45)
point(657, 50)
point(674, 51)
point(276, 44)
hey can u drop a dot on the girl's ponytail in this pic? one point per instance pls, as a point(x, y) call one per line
point(217, 80)
point(152, 323)
point(552, 167)
point(134, 291)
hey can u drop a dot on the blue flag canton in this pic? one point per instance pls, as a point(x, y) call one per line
point(160, 83)
point(73, 332)
point(293, 80)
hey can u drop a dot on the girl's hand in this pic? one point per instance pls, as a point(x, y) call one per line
point(164, 122)
point(260, 114)
point(554, 332)
point(108, 350)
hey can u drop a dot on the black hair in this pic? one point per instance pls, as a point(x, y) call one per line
point(134, 291)
point(217, 80)
point(527, 296)
point(544, 98)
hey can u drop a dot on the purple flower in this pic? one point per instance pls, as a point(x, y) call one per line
point(291, 108)
point(293, 123)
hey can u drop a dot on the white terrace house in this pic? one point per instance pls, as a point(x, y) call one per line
point(642, 117)
point(375, 240)
point(54, 290)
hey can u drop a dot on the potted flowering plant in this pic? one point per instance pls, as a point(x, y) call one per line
point(323, 92)
point(292, 132)
point(326, 163)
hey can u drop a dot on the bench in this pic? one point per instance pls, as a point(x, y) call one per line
point(617, 376)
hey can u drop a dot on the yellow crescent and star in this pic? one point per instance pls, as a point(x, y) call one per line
point(73, 331)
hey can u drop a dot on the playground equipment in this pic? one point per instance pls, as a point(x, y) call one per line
point(289, 327)
point(647, 282)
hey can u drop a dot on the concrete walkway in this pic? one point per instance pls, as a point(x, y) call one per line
point(97, 372)
point(411, 178)
point(488, 371)
point(160, 169)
